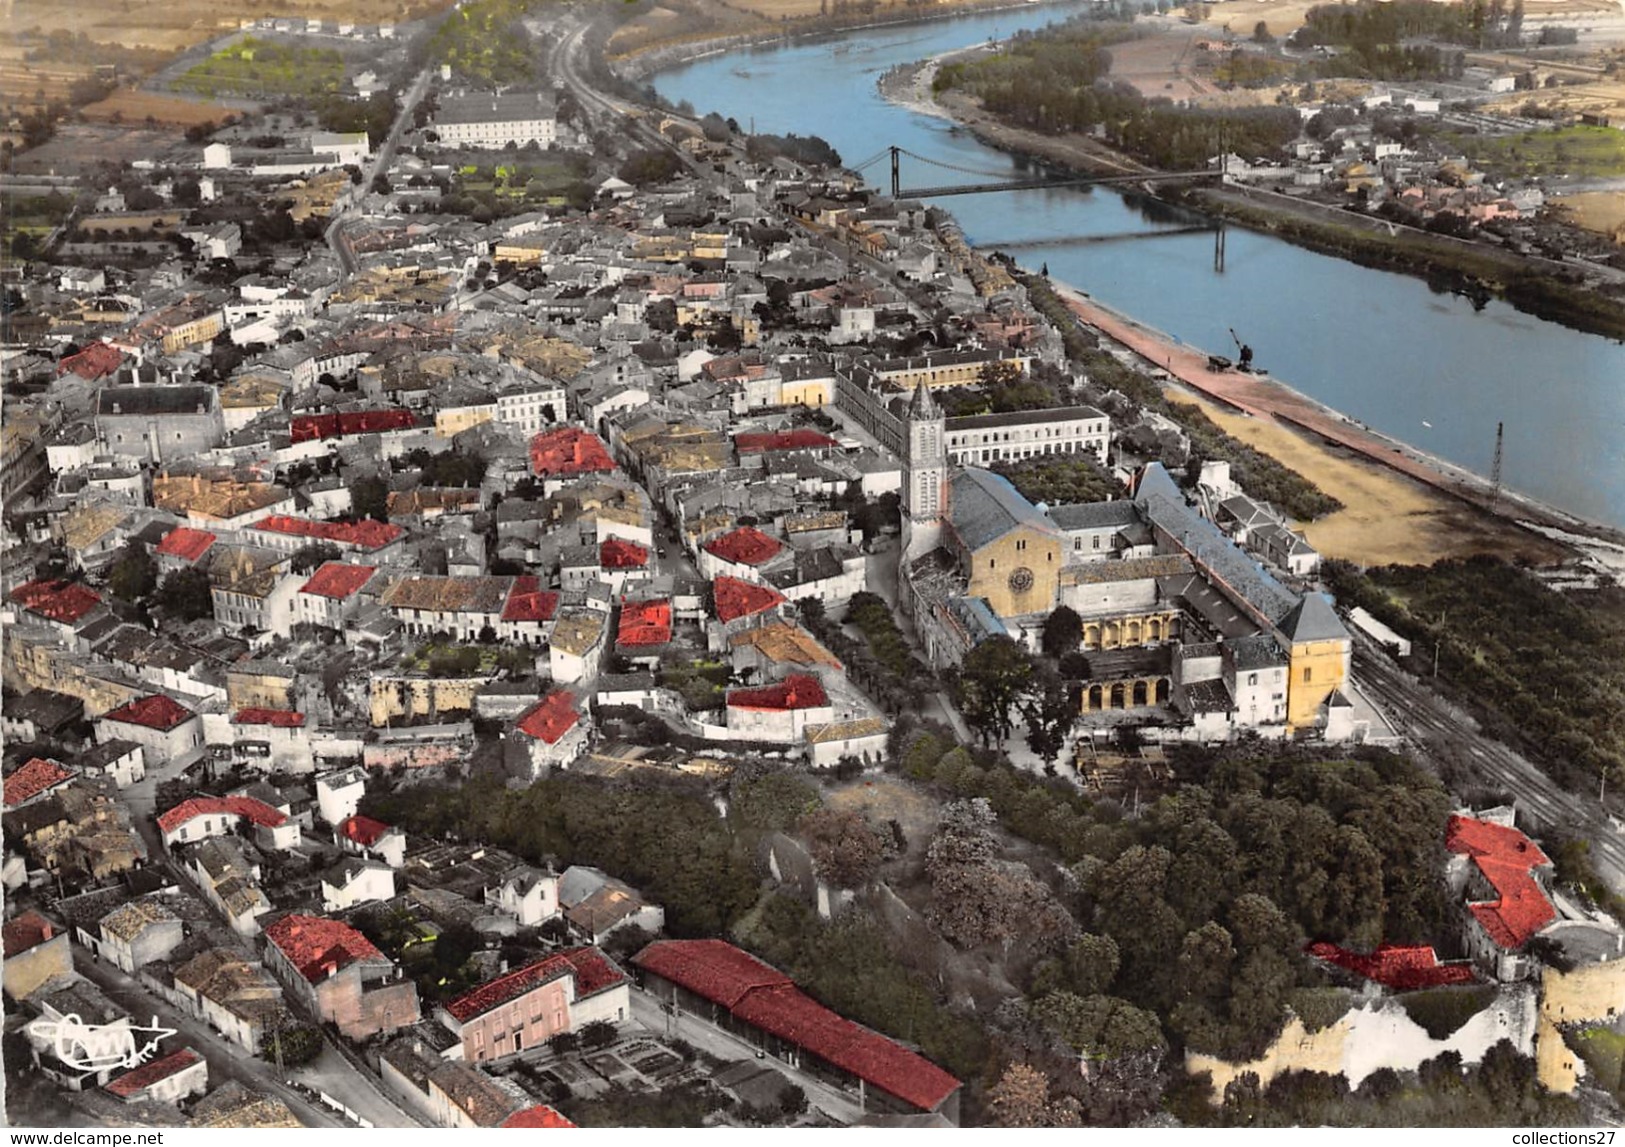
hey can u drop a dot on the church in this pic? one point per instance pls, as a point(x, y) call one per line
point(1175, 615)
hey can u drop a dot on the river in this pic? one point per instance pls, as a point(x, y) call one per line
point(1423, 367)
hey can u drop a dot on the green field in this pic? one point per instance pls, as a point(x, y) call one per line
point(254, 67)
point(485, 42)
point(1577, 151)
point(33, 217)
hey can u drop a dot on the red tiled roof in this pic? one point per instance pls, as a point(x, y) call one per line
point(98, 360)
point(592, 972)
point(551, 717)
point(767, 999)
point(746, 546)
point(281, 718)
point(714, 969)
point(569, 450)
point(26, 931)
point(314, 944)
point(34, 778)
point(645, 623)
point(338, 580)
point(783, 440)
point(527, 601)
point(1405, 969)
point(312, 427)
point(253, 810)
point(540, 1116)
point(797, 691)
point(363, 830)
point(140, 1078)
point(620, 554)
point(186, 543)
point(735, 599)
point(367, 533)
point(63, 601)
point(1506, 857)
point(154, 712)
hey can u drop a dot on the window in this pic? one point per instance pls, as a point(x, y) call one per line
point(1307, 671)
point(1252, 679)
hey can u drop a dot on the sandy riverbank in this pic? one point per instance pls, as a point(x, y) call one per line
point(1400, 504)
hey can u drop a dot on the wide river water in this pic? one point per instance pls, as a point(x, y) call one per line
point(1424, 367)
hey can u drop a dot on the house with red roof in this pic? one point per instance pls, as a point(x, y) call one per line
point(741, 553)
point(348, 424)
point(97, 361)
point(566, 453)
point(621, 562)
point(332, 596)
point(364, 836)
point(165, 729)
point(340, 975)
point(723, 985)
point(1406, 968)
point(1502, 875)
point(539, 1117)
point(272, 740)
point(182, 548)
point(378, 542)
point(199, 818)
point(527, 615)
point(780, 712)
point(784, 441)
point(734, 599)
point(63, 605)
point(169, 1079)
point(35, 780)
point(526, 1007)
point(36, 951)
point(644, 630)
point(552, 733)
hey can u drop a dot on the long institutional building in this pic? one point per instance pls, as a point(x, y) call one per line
point(1175, 615)
point(496, 119)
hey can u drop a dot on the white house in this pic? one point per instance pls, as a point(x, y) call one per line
point(355, 880)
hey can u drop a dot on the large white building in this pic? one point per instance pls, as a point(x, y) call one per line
point(487, 119)
point(982, 439)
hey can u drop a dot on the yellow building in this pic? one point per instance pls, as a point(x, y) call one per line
point(452, 422)
point(1593, 994)
point(1319, 651)
point(1009, 551)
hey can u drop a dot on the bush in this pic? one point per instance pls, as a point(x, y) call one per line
point(598, 1035)
point(1442, 1011)
point(564, 1043)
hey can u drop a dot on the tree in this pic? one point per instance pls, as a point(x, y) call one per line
point(186, 595)
point(564, 1043)
point(369, 498)
point(296, 1046)
point(1050, 713)
point(598, 1035)
point(1063, 631)
point(134, 575)
point(1020, 1098)
point(993, 678)
point(1261, 33)
point(627, 941)
point(792, 1100)
point(846, 848)
point(309, 558)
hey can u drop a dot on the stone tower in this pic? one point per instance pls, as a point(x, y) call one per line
point(925, 481)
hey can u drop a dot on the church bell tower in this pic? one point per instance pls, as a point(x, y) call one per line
point(925, 500)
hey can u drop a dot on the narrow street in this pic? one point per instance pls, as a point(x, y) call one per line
point(226, 1060)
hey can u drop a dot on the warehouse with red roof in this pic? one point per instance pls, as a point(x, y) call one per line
point(318, 427)
point(755, 1001)
point(1406, 968)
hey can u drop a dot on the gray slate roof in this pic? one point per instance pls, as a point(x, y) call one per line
point(1313, 620)
point(1095, 515)
point(984, 507)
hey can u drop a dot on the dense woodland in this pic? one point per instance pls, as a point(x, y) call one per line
point(1127, 938)
point(1056, 81)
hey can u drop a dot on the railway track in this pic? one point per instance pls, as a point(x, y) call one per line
point(1433, 726)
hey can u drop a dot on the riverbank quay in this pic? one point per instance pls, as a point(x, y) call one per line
point(1558, 291)
point(1267, 398)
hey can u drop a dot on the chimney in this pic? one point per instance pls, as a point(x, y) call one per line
point(45, 930)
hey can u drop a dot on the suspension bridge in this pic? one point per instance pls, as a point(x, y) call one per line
point(994, 181)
